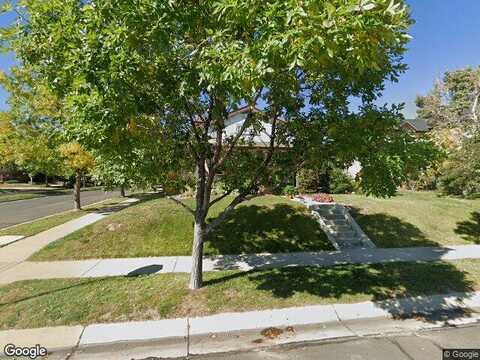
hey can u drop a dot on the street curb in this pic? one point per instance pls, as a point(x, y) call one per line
point(246, 330)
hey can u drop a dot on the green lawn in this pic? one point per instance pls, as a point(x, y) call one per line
point(82, 301)
point(416, 219)
point(43, 224)
point(160, 227)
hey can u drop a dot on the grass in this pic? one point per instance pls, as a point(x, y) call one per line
point(416, 219)
point(41, 303)
point(46, 223)
point(162, 228)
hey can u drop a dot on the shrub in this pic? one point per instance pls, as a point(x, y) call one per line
point(461, 172)
point(340, 182)
point(290, 190)
point(309, 180)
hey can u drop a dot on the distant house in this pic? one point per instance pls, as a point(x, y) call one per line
point(417, 126)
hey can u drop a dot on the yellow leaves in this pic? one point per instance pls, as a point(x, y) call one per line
point(76, 157)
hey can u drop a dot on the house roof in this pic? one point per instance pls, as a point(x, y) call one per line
point(418, 125)
point(244, 109)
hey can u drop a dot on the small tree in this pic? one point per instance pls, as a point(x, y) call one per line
point(77, 163)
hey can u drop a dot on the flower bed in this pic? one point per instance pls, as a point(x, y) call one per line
point(317, 198)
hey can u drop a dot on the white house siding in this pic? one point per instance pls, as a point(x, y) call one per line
point(235, 123)
point(354, 169)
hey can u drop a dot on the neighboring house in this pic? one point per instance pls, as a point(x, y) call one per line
point(417, 126)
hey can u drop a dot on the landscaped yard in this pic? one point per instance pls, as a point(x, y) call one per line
point(43, 224)
point(42, 303)
point(416, 219)
point(160, 227)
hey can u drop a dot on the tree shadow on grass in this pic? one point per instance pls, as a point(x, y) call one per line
point(256, 229)
point(388, 285)
point(470, 229)
point(389, 231)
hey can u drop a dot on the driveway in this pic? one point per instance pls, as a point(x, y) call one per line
point(16, 212)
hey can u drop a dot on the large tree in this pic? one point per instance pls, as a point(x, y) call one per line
point(170, 72)
point(454, 101)
point(452, 108)
point(7, 160)
point(33, 131)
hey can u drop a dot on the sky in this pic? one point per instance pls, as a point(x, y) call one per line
point(445, 35)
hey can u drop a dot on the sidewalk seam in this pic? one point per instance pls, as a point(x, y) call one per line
point(188, 337)
point(175, 264)
point(341, 322)
point(395, 343)
point(91, 268)
point(77, 345)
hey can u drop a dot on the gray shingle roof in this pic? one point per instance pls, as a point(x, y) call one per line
point(419, 125)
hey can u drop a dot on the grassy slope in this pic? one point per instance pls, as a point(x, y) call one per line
point(46, 223)
point(416, 219)
point(160, 227)
point(81, 301)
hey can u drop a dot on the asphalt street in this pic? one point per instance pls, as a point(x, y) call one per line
point(16, 212)
point(419, 346)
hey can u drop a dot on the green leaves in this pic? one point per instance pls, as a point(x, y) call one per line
point(184, 66)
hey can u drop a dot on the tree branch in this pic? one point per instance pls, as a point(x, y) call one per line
point(245, 125)
point(214, 201)
point(185, 206)
point(246, 194)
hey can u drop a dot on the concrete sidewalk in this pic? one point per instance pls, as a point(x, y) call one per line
point(182, 264)
point(247, 330)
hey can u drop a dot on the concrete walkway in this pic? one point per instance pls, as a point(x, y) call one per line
point(247, 330)
point(182, 264)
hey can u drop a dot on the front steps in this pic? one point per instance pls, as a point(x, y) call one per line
point(341, 229)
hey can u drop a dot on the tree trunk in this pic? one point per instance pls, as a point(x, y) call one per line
point(31, 179)
point(122, 190)
point(196, 274)
point(2, 179)
point(46, 180)
point(76, 191)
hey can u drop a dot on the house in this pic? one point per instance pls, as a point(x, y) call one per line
point(418, 126)
point(236, 120)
